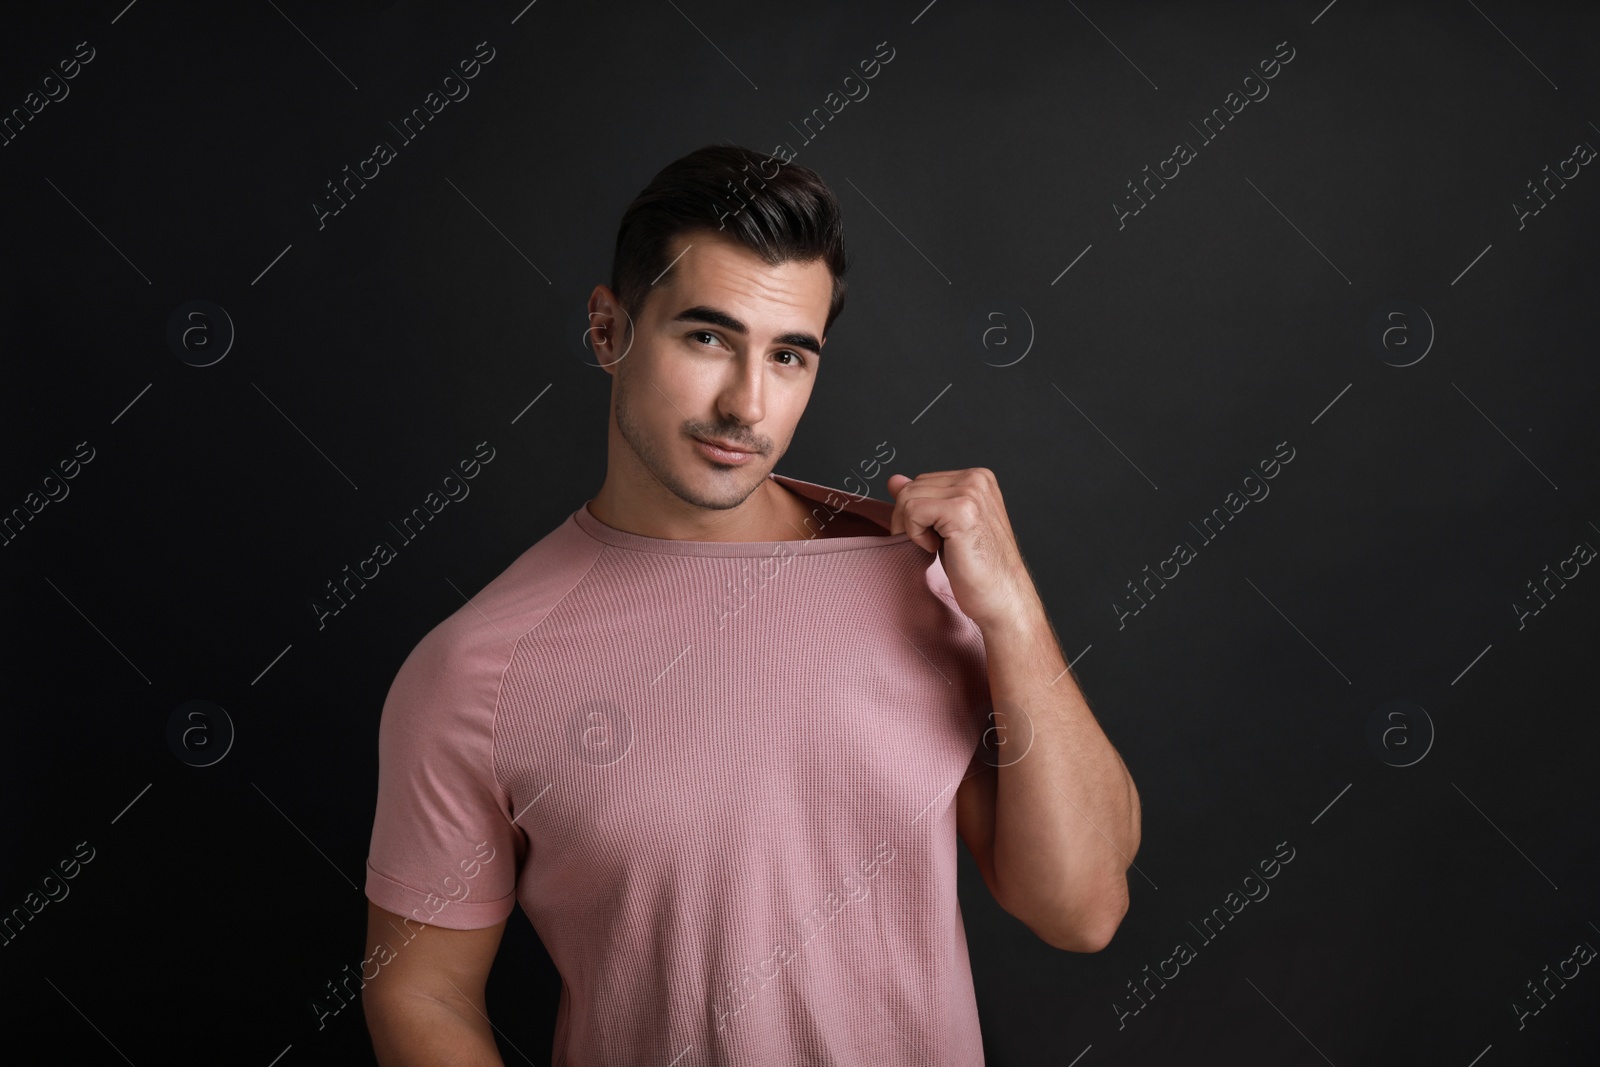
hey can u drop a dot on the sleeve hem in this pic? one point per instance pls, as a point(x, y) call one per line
point(426, 907)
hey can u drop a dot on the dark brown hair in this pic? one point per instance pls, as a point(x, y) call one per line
point(781, 211)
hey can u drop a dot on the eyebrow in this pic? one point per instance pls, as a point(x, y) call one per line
point(701, 313)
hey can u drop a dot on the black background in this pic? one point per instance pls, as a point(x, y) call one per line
point(1230, 315)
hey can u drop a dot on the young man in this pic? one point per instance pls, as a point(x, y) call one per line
point(717, 732)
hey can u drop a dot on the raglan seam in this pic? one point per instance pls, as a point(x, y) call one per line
point(500, 688)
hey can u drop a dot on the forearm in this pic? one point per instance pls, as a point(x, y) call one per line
point(1066, 814)
point(416, 1030)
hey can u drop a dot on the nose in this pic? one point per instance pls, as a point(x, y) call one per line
point(742, 399)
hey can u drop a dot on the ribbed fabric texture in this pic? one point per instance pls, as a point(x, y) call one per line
point(720, 782)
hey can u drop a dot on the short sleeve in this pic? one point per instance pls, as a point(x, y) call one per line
point(444, 850)
point(977, 763)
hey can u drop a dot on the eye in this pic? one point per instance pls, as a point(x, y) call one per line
point(799, 360)
point(703, 333)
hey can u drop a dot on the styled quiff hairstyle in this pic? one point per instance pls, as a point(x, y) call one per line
point(781, 211)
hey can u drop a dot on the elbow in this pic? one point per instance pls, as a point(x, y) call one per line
point(1087, 928)
point(1083, 936)
point(1100, 935)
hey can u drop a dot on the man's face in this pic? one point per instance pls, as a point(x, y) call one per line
point(724, 349)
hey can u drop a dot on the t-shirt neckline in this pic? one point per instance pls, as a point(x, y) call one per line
point(878, 511)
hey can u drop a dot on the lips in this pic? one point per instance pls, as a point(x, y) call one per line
point(726, 446)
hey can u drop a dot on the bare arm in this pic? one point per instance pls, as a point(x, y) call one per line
point(426, 1008)
point(1063, 866)
point(1063, 873)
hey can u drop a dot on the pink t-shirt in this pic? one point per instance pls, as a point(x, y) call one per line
point(719, 778)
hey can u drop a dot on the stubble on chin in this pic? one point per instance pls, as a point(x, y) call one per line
point(698, 483)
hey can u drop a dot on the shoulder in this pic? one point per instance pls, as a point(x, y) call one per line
point(519, 598)
point(455, 669)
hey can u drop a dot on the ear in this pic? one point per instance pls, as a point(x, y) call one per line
point(610, 333)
